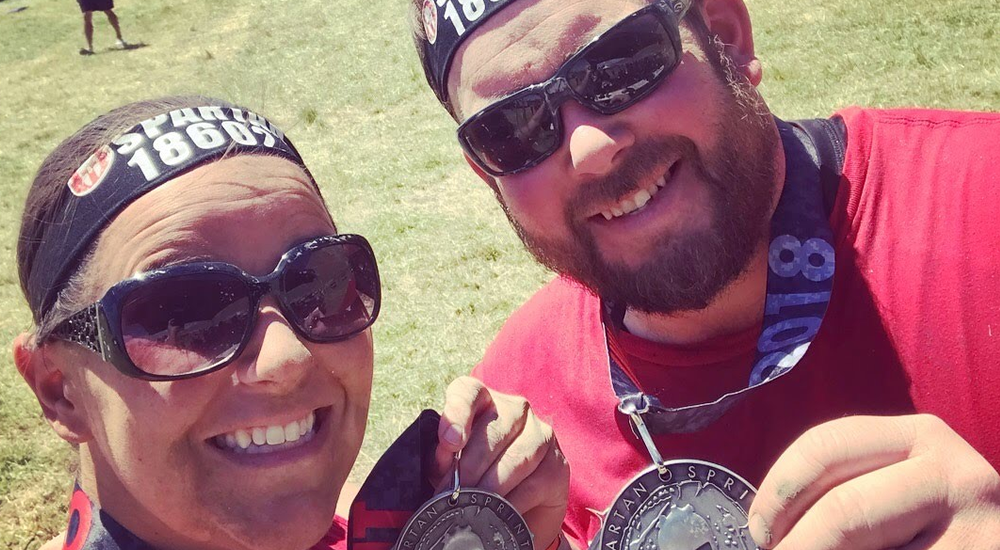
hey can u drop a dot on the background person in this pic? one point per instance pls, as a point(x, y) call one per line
point(88, 7)
point(224, 399)
point(653, 191)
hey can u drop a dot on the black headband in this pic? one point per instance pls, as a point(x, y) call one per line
point(153, 152)
point(446, 24)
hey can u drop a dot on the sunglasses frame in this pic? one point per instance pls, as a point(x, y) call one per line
point(556, 90)
point(98, 327)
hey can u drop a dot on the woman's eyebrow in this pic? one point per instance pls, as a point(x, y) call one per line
point(170, 260)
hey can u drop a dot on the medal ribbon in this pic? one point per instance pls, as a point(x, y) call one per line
point(90, 528)
point(799, 282)
point(395, 488)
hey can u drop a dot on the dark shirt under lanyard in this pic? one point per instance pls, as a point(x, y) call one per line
point(90, 528)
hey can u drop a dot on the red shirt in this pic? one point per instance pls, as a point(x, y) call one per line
point(913, 324)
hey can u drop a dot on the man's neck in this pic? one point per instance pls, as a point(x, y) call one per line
point(738, 307)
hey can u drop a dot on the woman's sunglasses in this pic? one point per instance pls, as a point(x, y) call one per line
point(192, 319)
point(614, 71)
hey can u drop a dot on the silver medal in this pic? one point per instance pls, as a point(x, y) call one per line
point(678, 505)
point(465, 519)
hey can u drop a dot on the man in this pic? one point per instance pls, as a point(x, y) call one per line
point(700, 243)
point(88, 7)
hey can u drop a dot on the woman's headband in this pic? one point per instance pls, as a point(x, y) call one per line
point(153, 152)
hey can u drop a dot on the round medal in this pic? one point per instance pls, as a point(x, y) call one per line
point(475, 520)
point(465, 519)
point(691, 505)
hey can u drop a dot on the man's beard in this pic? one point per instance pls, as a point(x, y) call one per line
point(682, 272)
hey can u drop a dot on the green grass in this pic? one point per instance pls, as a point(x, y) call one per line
point(342, 80)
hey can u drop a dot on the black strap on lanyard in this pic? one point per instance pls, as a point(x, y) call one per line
point(829, 137)
point(798, 290)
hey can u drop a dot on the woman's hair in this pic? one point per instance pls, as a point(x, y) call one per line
point(49, 193)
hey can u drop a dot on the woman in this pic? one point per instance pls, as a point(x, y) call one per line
point(202, 336)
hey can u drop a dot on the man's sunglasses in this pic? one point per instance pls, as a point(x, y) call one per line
point(614, 71)
point(192, 319)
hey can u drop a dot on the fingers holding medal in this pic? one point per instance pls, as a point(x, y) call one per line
point(506, 451)
point(878, 482)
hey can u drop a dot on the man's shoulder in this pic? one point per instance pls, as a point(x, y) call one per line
point(866, 126)
point(891, 153)
point(560, 292)
point(915, 116)
point(558, 305)
point(560, 319)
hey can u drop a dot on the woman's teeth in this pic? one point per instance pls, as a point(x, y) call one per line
point(635, 201)
point(265, 439)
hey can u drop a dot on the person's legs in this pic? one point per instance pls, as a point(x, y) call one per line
point(88, 29)
point(113, 19)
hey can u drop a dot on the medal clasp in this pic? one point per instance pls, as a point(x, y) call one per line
point(456, 487)
point(635, 411)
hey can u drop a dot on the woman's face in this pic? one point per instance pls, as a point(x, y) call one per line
point(160, 466)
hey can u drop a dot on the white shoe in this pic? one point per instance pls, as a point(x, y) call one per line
point(121, 44)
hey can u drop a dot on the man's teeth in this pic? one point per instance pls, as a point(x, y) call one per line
point(635, 201)
point(262, 439)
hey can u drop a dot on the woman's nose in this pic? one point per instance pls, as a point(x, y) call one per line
point(275, 353)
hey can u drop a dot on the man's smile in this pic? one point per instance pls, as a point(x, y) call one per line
point(637, 200)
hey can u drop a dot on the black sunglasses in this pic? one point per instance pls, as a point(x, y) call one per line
point(192, 319)
point(614, 71)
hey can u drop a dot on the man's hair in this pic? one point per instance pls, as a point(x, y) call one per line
point(419, 35)
point(414, 16)
point(49, 194)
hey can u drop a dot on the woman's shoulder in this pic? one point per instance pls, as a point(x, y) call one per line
point(56, 543)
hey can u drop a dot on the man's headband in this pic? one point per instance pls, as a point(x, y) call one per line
point(153, 152)
point(446, 24)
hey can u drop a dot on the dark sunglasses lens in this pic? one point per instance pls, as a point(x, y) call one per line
point(185, 324)
point(514, 133)
point(332, 292)
point(625, 64)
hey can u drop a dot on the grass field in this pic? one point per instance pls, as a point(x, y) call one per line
point(342, 80)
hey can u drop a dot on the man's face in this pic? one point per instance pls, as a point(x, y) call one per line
point(687, 175)
point(162, 464)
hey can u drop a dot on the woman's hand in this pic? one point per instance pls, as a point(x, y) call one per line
point(506, 449)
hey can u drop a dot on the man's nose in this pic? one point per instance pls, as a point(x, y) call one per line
point(275, 354)
point(595, 140)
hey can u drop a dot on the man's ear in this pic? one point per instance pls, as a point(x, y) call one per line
point(730, 22)
point(52, 389)
point(490, 180)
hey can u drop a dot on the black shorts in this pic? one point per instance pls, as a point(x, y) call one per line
point(96, 5)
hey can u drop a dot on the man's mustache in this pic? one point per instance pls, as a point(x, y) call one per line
point(646, 161)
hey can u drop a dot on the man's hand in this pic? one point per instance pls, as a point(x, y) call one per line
point(506, 449)
point(867, 482)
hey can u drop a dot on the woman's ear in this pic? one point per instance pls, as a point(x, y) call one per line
point(729, 20)
point(42, 369)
